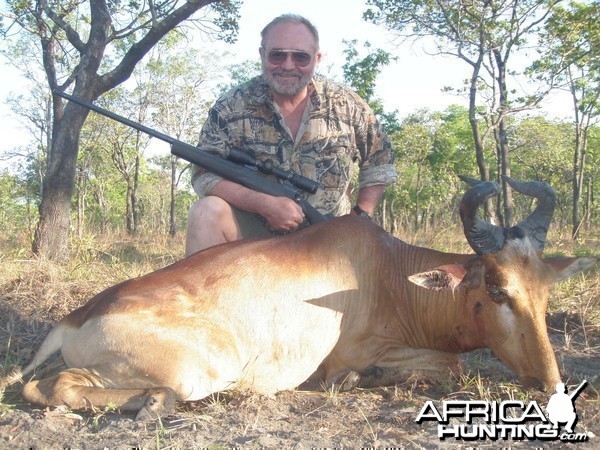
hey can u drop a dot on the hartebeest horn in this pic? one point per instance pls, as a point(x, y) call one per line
point(483, 237)
point(470, 181)
point(537, 224)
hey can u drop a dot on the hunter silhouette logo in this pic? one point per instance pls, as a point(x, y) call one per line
point(471, 420)
point(561, 406)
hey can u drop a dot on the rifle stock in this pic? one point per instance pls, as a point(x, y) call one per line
point(213, 163)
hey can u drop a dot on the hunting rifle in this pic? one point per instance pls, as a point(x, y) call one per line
point(233, 168)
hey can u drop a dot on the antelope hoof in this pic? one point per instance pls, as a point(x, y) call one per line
point(344, 380)
point(159, 403)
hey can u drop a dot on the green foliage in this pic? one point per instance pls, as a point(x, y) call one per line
point(432, 148)
point(239, 73)
point(486, 35)
point(361, 74)
point(227, 19)
point(16, 204)
point(569, 48)
point(542, 150)
point(446, 21)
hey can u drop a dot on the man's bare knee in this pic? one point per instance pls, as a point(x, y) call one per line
point(211, 221)
point(210, 209)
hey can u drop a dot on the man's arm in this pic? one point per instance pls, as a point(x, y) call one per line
point(368, 197)
point(377, 170)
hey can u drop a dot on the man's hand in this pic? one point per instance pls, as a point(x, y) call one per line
point(282, 214)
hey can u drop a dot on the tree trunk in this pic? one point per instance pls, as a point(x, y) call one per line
point(579, 155)
point(576, 197)
point(417, 193)
point(99, 195)
point(52, 232)
point(172, 220)
point(502, 137)
point(135, 213)
point(129, 209)
point(484, 169)
point(589, 204)
point(81, 188)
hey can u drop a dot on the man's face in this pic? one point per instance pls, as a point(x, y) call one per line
point(289, 58)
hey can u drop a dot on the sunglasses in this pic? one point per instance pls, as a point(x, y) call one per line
point(299, 58)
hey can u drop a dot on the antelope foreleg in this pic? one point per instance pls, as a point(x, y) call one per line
point(400, 364)
point(80, 389)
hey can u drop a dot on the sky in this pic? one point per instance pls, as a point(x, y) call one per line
point(412, 82)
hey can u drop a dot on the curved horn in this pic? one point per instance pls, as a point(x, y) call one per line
point(537, 224)
point(483, 237)
point(470, 181)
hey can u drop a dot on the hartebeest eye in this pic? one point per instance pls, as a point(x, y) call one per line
point(497, 294)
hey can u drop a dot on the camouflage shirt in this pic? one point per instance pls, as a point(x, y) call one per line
point(338, 133)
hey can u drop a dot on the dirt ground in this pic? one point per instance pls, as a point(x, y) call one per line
point(374, 418)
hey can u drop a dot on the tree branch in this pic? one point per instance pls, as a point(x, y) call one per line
point(138, 50)
point(72, 35)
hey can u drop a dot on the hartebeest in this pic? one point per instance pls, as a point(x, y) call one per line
point(330, 300)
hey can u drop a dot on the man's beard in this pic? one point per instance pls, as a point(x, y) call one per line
point(296, 81)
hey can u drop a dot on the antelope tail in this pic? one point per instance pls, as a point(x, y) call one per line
point(51, 345)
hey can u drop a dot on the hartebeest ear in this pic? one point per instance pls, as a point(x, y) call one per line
point(444, 277)
point(567, 267)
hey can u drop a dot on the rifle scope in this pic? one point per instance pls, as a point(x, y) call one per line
point(267, 167)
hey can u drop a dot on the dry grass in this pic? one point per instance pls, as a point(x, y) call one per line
point(36, 293)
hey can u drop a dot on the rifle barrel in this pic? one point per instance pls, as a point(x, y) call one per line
point(117, 117)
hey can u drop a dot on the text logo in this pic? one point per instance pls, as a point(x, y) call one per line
point(512, 419)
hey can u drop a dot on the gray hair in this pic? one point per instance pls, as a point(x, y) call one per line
point(289, 18)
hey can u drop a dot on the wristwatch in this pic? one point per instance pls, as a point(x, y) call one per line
point(361, 212)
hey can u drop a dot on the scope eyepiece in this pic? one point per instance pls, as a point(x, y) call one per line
point(306, 184)
point(268, 167)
